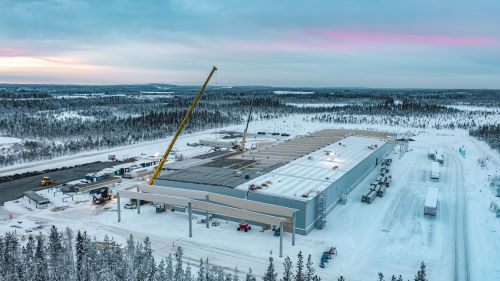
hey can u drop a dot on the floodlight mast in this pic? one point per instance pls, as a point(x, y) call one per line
point(181, 126)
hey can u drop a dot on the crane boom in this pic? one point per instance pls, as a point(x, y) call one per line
point(244, 138)
point(181, 126)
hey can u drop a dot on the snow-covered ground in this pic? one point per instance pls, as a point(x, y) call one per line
point(391, 235)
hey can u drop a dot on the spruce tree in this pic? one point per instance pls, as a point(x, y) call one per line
point(299, 274)
point(200, 276)
point(220, 273)
point(236, 276)
point(169, 270)
point(287, 270)
point(178, 272)
point(187, 274)
point(130, 253)
point(56, 263)
point(160, 271)
point(28, 257)
point(10, 258)
point(250, 276)
point(380, 276)
point(309, 269)
point(40, 261)
point(80, 257)
point(146, 265)
point(421, 275)
point(270, 274)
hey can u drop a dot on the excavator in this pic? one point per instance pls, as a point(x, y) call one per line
point(181, 126)
point(241, 146)
point(46, 181)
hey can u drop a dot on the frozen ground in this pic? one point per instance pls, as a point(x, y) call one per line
point(390, 235)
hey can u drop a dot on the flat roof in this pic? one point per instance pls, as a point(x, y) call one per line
point(39, 199)
point(315, 171)
point(431, 198)
point(235, 169)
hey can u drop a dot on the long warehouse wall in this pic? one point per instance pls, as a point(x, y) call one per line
point(347, 182)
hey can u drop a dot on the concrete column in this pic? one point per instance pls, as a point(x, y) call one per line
point(293, 227)
point(281, 239)
point(138, 202)
point(207, 214)
point(118, 206)
point(190, 214)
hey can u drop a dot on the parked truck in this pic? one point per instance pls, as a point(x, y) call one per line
point(431, 202)
point(435, 171)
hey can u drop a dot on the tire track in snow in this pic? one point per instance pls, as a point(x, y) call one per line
point(461, 268)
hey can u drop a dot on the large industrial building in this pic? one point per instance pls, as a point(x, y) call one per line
point(308, 173)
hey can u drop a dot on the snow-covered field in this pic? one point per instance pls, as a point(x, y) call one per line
point(390, 235)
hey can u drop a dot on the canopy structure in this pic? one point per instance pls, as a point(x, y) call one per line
point(213, 203)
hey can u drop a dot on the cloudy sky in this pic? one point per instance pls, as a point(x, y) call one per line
point(337, 43)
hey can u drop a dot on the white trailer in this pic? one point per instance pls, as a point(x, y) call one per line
point(435, 171)
point(137, 173)
point(431, 202)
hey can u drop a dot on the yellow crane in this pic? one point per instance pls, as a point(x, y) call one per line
point(241, 146)
point(181, 126)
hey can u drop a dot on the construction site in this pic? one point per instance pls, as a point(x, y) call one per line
point(309, 174)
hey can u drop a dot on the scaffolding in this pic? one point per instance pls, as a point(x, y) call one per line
point(321, 210)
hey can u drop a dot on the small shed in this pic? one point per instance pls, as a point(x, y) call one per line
point(37, 198)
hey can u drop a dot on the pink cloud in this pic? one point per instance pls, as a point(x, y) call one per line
point(387, 37)
point(12, 52)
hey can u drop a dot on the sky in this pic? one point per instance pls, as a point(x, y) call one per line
point(330, 43)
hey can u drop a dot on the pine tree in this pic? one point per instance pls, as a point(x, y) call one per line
point(187, 274)
point(201, 272)
point(236, 274)
point(380, 276)
point(40, 261)
point(309, 269)
point(178, 272)
point(10, 258)
point(169, 270)
point(393, 278)
point(421, 275)
point(229, 277)
point(341, 278)
point(68, 254)
point(287, 270)
point(299, 275)
point(130, 253)
point(270, 274)
point(146, 265)
point(28, 257)
point(80, 257)
point(160, 271)
point(400, 278)
point(219, 276)
point(250, 276)
point(56, 264)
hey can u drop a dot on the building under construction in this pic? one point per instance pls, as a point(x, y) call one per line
point(307, 173)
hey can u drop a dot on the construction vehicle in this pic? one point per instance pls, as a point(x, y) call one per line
point(244, 226)
point(46, 181)
point(100, 195)
point(181, 126)
point(241, 146)
point(327, 255)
